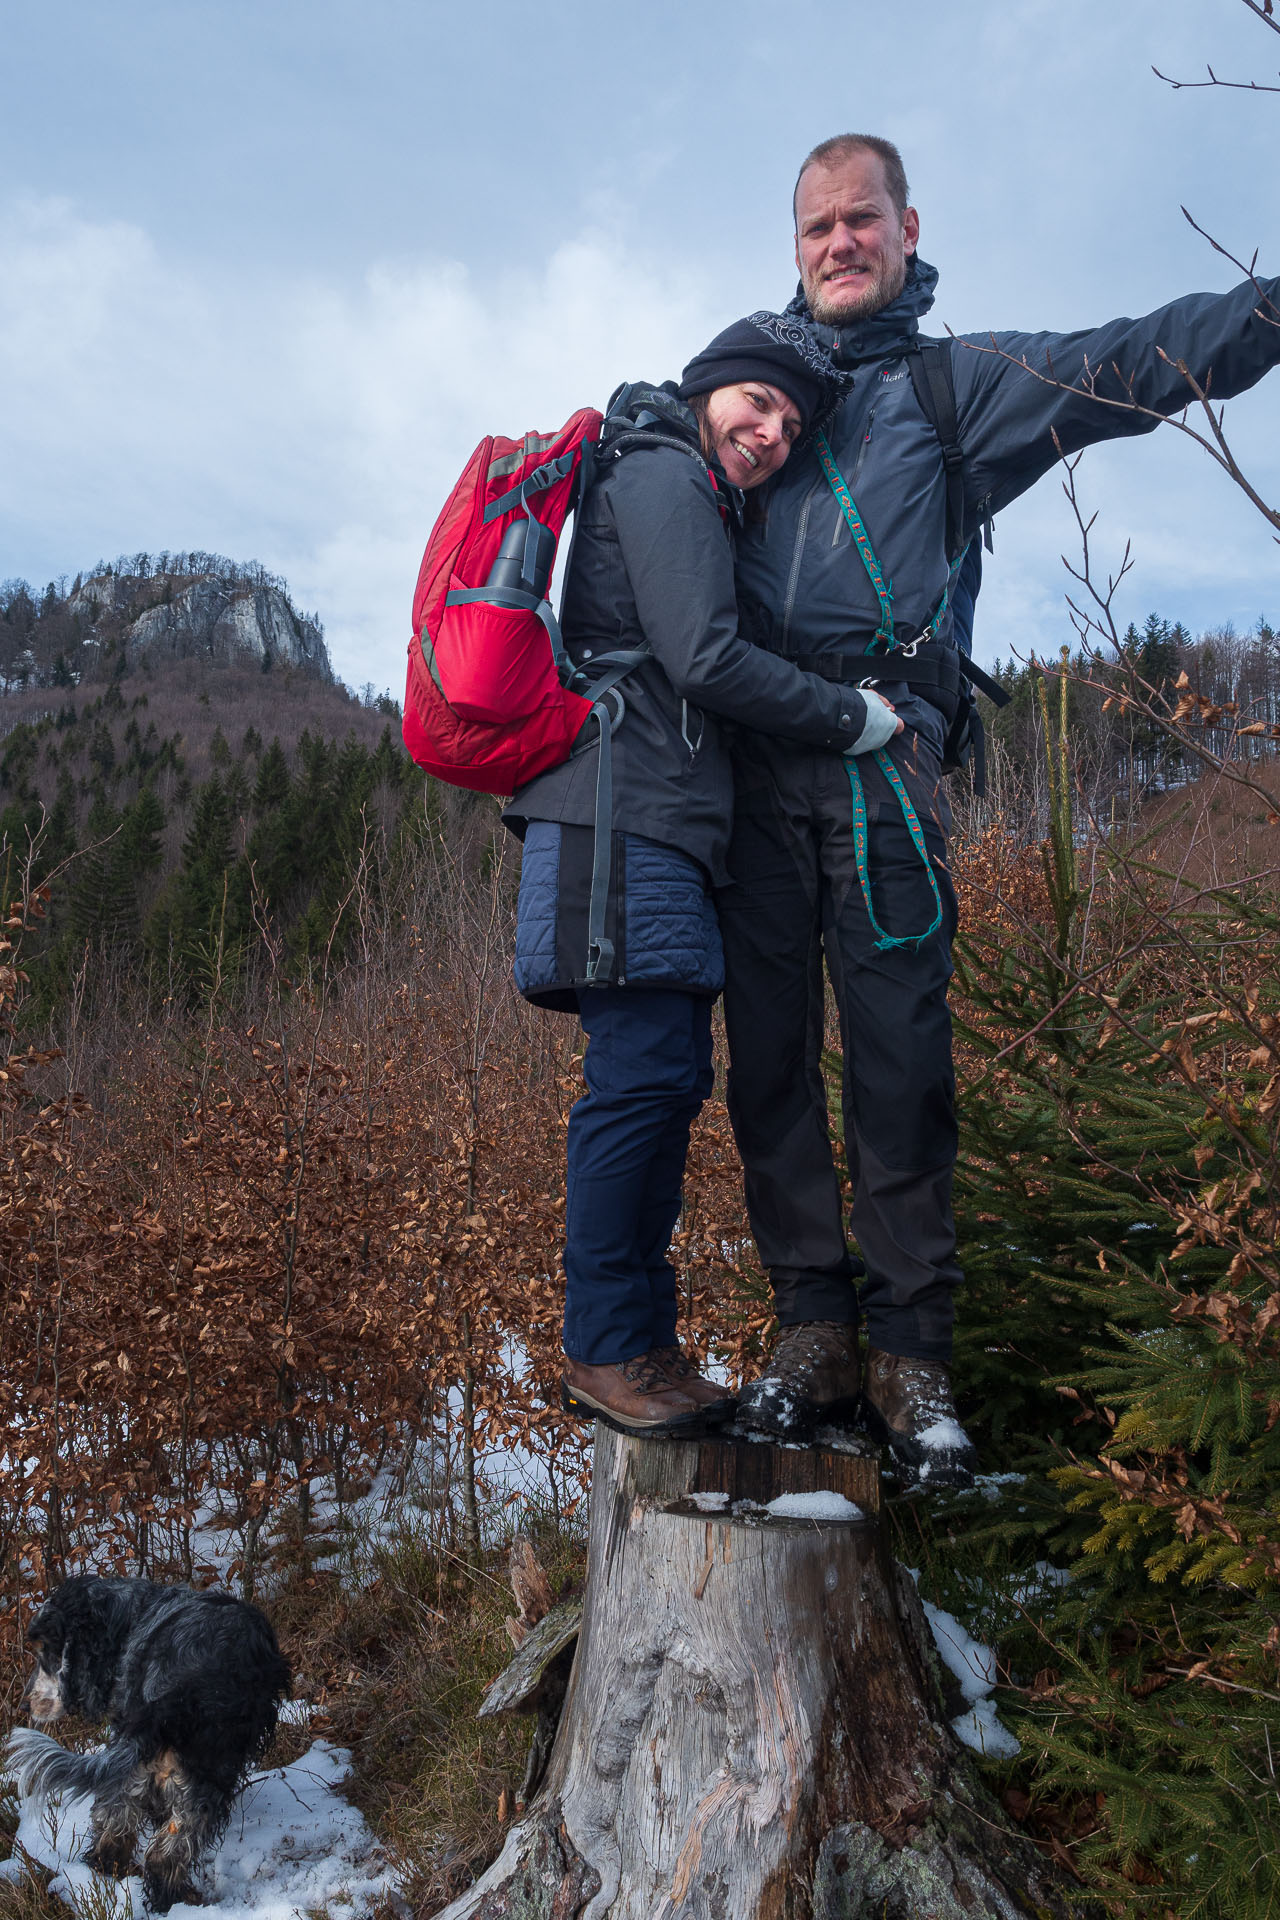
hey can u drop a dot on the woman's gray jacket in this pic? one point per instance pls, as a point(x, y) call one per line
point(652, 565)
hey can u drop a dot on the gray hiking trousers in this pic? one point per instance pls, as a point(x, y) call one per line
point(795, 896)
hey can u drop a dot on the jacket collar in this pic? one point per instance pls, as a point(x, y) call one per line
point(883, 333)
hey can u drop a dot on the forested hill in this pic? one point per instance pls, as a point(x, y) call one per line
point(142, 610)
point(181, 797)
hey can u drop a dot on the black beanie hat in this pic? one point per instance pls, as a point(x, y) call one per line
point(766, 346)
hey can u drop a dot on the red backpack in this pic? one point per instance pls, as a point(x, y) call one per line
point(492, 698)
point(487, 703)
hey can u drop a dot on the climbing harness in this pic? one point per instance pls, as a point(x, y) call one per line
point(909, 814)
point(884, 635)
point(861, 540)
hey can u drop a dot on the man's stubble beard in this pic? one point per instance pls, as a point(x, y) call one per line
point(885, 288)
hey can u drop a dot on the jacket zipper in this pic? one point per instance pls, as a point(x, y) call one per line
point(857, 469)
point(620, 907)
point(693, 745)
point(866, 442)
point(793, 578)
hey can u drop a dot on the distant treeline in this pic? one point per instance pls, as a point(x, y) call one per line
point(1122, 755)
point(166, 818)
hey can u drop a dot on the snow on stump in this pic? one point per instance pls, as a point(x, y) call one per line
point(754, 1728)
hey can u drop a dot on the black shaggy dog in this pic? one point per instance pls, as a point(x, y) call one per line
point(190, 1684)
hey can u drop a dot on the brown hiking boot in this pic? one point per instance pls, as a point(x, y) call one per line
point(634, 1396)
point(812, 1379)
point(907, 1405)
point(683, 1374)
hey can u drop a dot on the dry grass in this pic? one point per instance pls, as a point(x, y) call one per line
point(399, 1667)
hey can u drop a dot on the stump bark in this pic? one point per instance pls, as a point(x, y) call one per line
point(754, 1728)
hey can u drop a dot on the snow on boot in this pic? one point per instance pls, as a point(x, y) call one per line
point(812, 1378)
point(907, 1406)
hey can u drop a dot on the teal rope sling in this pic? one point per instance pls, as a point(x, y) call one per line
point(884, 636)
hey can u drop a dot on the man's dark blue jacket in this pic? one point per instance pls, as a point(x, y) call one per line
point(1022, 400)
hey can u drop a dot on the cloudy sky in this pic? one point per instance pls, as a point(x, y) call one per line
point(269, 268)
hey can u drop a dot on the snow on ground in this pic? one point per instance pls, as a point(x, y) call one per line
point(294, 1848)
point(974, 1667)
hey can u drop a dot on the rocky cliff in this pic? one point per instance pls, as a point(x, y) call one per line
point(225, 613)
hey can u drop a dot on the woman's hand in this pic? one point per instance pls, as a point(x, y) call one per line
point(882, 723)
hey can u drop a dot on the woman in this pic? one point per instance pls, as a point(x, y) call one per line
point(652, 567)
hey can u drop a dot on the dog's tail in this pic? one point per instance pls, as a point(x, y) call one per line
point(38, 1766)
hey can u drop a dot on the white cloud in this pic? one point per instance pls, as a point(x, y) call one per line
point(317, 424)
point(316, 427)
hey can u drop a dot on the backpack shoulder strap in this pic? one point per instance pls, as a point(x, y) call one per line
point(933, 378)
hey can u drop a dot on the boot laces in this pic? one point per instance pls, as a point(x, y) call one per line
point(809, 1342)
point(644, 1374)
point(674, 1359)
point(926, 1385)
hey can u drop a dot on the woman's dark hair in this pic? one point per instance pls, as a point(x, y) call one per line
point(753, 511)
point(697, 404)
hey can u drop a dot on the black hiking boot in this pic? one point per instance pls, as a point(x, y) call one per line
point(812, 1380)
point(907, 1406)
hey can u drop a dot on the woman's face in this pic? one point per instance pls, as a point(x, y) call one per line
point(752, 428)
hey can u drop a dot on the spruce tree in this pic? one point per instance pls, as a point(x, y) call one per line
point(202, 921)
point(272, 784)
point(1117, 1200)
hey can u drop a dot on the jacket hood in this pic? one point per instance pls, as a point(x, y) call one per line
point(640, 406)
point(880, 333)
point(639, 414)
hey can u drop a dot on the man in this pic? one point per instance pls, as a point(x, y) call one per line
point(847, 571)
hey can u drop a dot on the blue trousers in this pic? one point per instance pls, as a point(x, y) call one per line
point(648, 1070)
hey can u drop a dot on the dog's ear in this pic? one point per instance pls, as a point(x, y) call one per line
point(73, 1634)
point(45, 1634)
point(97, 1618)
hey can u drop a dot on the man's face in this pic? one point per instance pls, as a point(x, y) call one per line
point(852, 244)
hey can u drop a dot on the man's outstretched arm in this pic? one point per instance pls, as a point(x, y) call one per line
point(1016, 391)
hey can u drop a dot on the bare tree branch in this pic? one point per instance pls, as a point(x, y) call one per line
point(1214, 442)
point(1243, 86)
point(1265, 10)
point(1273, 317)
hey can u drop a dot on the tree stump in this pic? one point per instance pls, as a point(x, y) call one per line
point(754, 1728)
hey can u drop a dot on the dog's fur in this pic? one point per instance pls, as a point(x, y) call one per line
point(189, 1683)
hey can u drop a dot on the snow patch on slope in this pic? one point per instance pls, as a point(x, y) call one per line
point(294, 1847)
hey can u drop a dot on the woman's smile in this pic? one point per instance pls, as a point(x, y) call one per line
point(752, 428)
